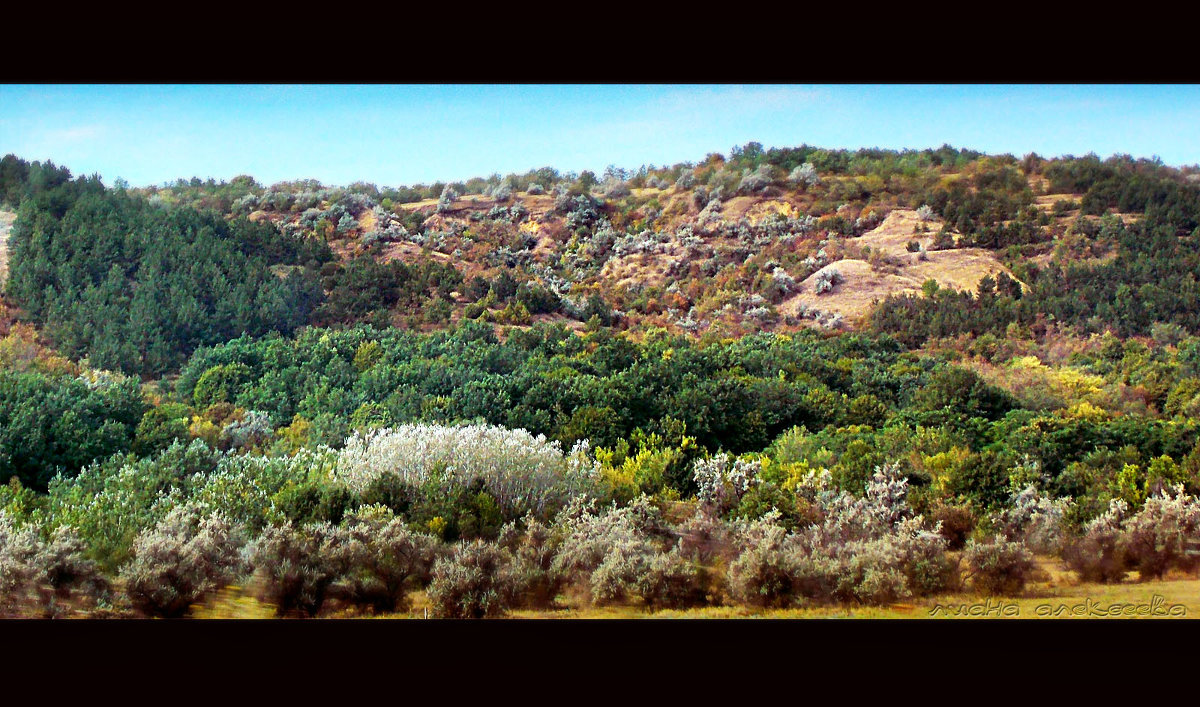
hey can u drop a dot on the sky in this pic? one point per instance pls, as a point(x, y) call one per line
point(404, 135)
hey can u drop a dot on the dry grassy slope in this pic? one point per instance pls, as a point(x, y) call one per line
point(960, 268)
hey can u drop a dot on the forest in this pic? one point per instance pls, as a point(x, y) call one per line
point(756, 383)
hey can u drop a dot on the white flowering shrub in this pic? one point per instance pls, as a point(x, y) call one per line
point(19, 548)
point(1098, 554)
point(501, 192)
point(179, 561)
point(868, 549)
point(925, 212)
point(1156, 538)
point(686, 180)
point(615, 188)
point(379, 559)
point(787, 284)
point(710, 216)
point(626, 554)
point(867, 221)
point(616, 539)
point(826, 280)
point(65, 578)
point(446, 201)
point(346, 223)
point(721, 484)
point(756, 180)
point(253, 430)
point(829, 320)
point(1033, 519)
point(533, 550)
point(998, 566)
point(535, 189)
point(804, 175)
point(522, 472)
point(245, 204)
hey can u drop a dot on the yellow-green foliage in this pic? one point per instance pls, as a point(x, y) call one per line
point(627, 476)
point(295, 435)
point(202, 428)
point(944, 466)
point(367, 355)
point(1040, 387)
point(1129, 485)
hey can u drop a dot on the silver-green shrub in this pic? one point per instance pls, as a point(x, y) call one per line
point(179, 561)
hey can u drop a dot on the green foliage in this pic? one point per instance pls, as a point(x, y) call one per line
point(53, 425)
point(138, 287)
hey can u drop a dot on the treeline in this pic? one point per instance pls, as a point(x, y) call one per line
point(136, 287)
point(1153, 279)
point(737, 395)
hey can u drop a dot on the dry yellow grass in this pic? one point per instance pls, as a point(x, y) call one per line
point(960, 269)
point(1053, 593)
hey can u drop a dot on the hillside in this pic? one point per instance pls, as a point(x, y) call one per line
point(781, 382)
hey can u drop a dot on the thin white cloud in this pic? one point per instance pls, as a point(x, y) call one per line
point(81, 133)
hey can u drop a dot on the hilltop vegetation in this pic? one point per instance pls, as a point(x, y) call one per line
point(777, 377)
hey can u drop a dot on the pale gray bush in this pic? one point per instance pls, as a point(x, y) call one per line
point(1156, 538)
point(181, 560)
point(998, 566)
point(476, 582)
point(805, 175)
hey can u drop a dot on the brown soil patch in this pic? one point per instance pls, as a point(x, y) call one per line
point(960, 269)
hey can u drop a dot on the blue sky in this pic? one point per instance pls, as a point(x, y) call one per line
point(394, 135)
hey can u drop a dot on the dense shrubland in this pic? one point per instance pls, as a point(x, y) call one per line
point(475, 390)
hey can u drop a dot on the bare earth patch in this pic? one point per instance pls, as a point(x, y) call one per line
point(960, 269)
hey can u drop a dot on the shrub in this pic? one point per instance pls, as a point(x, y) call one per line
point(826, 280)
point(764, 574)
point(1033, 519)
point(476, 582)
point(998, 567)
point(621, 540)
point(720, 484)
point(18, 571)
point(65, 577)
point(944, 240)
point(294, 567)
point(535, 189)
point(956, 523)
point(869, 549)
point(522, 472)
point(253, 430)
point(378, 556)
point(757, 180)
point(804, 175)
point(670, 581)
point(446, 200)
point(181, 560)
point(704, 537)
point(1155, 539)
point(1097, 555)
point(538, 581)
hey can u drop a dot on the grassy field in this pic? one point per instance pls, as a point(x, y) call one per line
point(1053, 594)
